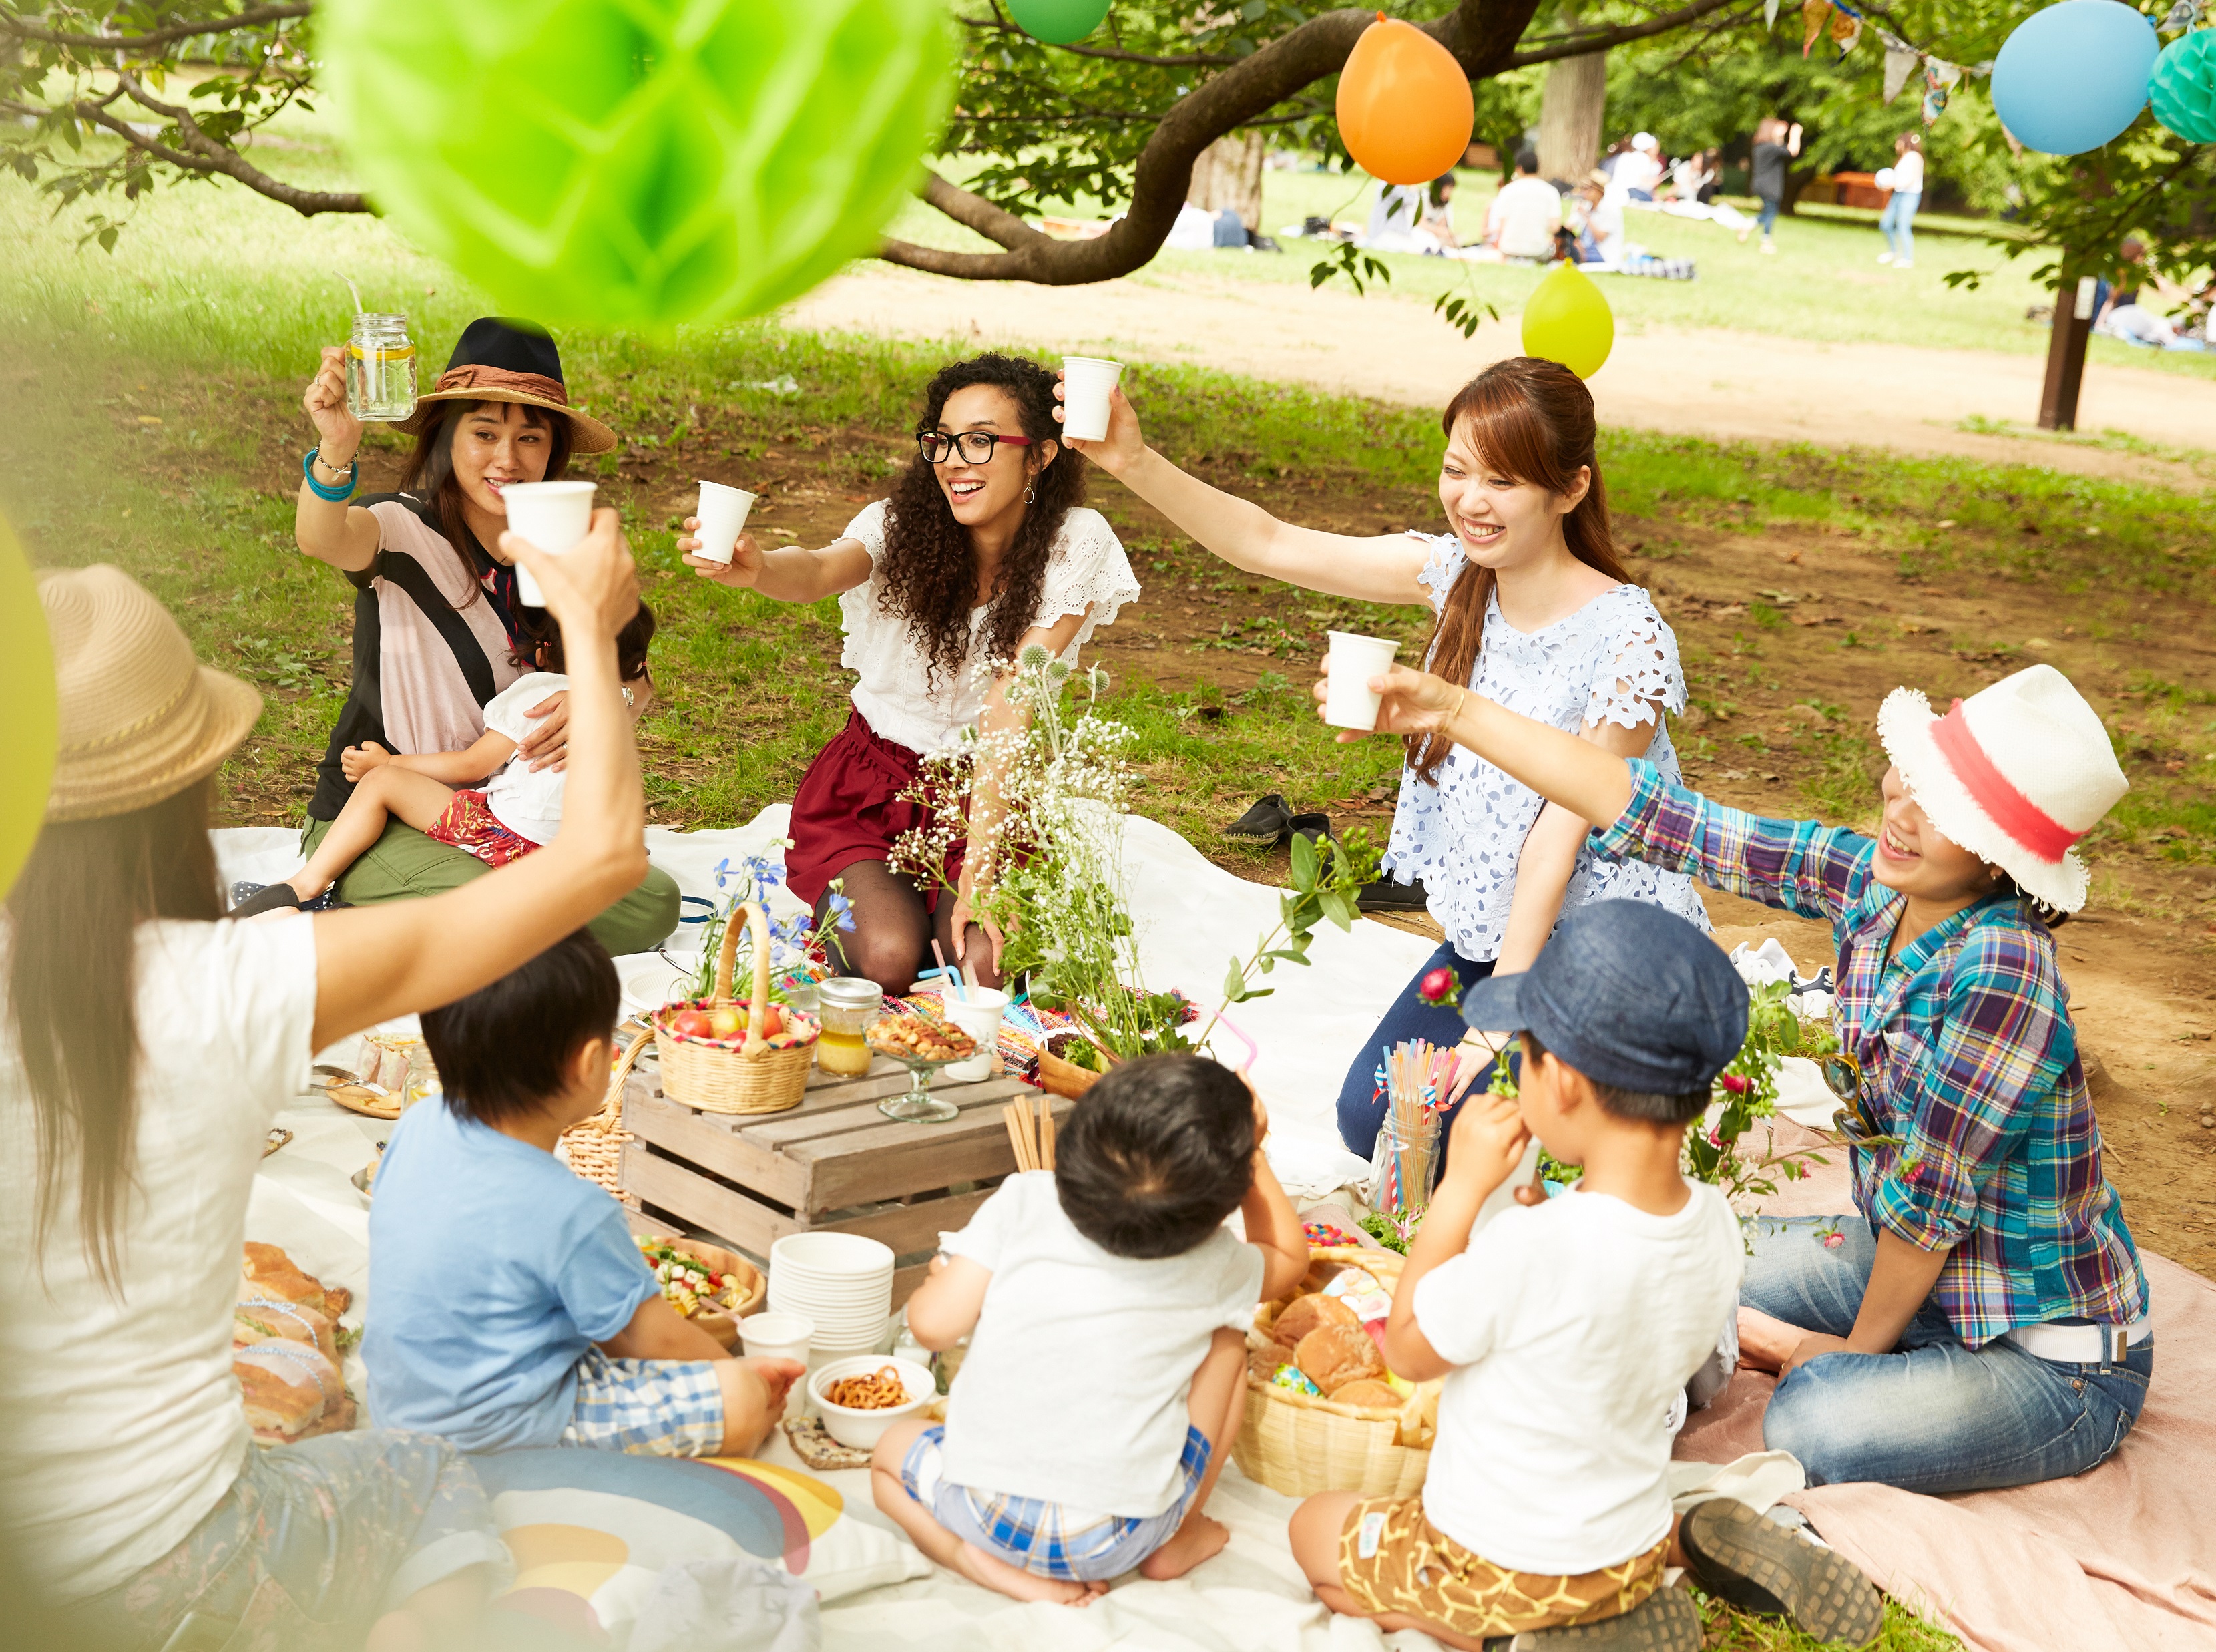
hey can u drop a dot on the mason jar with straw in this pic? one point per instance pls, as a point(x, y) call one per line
point(1404, 1164)
point(380, 365)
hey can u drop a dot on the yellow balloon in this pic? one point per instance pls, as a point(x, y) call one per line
point(30, 721)
point(1568, 320)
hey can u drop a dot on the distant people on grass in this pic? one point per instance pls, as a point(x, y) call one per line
point(1597, 221)
point(1776, 145)
point(1526, 215)
point(1900, 206)
point(2122, 315)
point(1438, 212)
point(438, 627)
point(1639, 173)
point(984, 549)
point(1396, 222)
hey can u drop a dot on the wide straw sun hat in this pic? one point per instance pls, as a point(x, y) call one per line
point(501, 358)
point(141, 719)
point(2016, 775)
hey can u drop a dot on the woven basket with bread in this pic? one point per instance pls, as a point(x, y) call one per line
point(1356, 1432)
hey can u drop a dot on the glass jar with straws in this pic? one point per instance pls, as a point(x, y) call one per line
point(1413, 1081)
point(380, 368)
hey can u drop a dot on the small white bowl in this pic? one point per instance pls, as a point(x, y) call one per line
point(863, 1429)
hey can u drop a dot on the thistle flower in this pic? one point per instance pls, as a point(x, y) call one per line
point(1032, 655)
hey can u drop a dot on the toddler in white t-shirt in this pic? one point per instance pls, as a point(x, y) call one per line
point(1565, 1327)
point(1107, 1307)
point(516, 811)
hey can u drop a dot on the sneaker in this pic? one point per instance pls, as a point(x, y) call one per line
point(1769, 246)
point(1759, 1566)
point(1665, 1621)
point(1266, 824)
point(1905, 263)
point(1884, 257)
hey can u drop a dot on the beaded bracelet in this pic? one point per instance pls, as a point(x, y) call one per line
point(330, 494)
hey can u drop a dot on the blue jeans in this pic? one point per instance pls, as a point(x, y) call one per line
point(1768, 215)
point(336, 1530)
point(1893, 224)
point(1361, 1109)
point(1933, 1415)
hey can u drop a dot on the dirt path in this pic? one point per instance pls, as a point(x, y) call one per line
point(1708, 382)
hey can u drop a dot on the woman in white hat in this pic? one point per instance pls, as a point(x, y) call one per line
point(1982, 1321)
point(145, 1048)
point(438, 627)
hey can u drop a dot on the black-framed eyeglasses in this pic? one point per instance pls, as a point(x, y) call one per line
point(975, 447)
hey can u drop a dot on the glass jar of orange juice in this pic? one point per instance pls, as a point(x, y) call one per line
point(849, 1004)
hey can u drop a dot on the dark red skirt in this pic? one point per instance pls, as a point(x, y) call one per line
point(849, 809)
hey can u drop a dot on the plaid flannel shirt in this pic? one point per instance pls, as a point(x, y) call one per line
point(1986, 1139)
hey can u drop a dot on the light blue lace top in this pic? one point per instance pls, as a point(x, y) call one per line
point(1463, 835)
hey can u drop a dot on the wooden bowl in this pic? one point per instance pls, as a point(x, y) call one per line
point(722, 1324)
point(1066, 1078)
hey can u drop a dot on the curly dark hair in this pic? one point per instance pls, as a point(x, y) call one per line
point(928, 575)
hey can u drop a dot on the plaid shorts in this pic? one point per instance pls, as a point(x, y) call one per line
point(654, 1407)
point(1049, 1539)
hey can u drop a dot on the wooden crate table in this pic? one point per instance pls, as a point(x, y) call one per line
point(833, 1164)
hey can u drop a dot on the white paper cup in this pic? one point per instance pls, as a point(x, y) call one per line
point(1350, 703)
point(776, 1336)
point(722, 516)
point(1087, 381)
point(979, 1015)
point(552, 516)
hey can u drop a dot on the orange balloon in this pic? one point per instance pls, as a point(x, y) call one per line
point(1405, 109)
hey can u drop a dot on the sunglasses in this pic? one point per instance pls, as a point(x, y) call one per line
point(975, 447)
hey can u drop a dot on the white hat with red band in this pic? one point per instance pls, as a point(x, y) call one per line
point(2016, 775)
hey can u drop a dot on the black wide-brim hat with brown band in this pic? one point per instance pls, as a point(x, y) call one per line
point(500, 359)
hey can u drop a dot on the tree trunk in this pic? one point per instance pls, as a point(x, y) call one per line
point(1228, 173)
point(1570, 108)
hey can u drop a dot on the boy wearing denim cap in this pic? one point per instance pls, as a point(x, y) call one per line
point(1564, 1328)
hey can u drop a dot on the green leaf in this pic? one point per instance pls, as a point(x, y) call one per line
point(1304, 864)
point(1235, 983)
point(1339, 908)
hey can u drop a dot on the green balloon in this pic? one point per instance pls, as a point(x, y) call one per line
point(1058, 22)
point(2184, 88)
point(1566, 320)
point(638, 163)
point(30, 714)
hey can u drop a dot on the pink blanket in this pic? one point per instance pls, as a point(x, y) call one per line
point(2123, 1556)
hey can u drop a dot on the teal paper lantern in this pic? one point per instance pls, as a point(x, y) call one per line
point(638, 163)
point(1058, 22)
point(2184, 89)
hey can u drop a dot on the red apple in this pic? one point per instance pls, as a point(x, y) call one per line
point(693, 1024)
point(728, 1022)
point(771, 1021)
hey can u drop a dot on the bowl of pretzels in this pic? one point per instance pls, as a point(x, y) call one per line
point(861, 1397)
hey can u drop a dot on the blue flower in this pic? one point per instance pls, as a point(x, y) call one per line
point(843, 910)
point(723, 871)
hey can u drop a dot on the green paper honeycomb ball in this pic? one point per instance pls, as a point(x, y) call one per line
point(2184, 88)
point(638, 163)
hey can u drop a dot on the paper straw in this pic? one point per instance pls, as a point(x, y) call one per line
point(1253, 1053)
point(961, 990)
point(352, 288)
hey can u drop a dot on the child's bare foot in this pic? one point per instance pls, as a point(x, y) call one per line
point(1196, 1540)
point(996, 1574)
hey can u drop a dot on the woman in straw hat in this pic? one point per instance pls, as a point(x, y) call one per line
point(439, 629)
point(144, 1049)
point(1983, 1321)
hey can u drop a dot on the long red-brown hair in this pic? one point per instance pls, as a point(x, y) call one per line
point(1533, 421)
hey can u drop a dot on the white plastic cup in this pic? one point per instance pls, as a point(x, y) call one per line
point(979, 1015)
point(1351, 703)
point(1086, 383)
point(777, 1336)
point(554, 516)
point(722, 516)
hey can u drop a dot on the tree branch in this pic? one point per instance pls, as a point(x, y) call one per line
point(993, 223)
point(154, 37)
point(1197, 60)
point(1550, 48)
point(210, 157)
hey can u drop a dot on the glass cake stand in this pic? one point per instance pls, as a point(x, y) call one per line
point(917, 1105)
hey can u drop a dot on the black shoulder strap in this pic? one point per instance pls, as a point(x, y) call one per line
point(412, 577)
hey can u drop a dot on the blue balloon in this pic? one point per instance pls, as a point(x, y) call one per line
point(2075, 75)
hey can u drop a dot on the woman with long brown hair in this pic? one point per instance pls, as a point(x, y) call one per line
point(985, 549)
point(1532, 607)
point(144, 1049)
point(438, 628)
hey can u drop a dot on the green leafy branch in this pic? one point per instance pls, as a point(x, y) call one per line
point(1325, 884)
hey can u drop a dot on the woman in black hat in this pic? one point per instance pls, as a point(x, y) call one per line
point(439, 629)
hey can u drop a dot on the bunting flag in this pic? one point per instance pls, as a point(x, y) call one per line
point(1846, 30)
point(1899, 63)
point(1815, 21)
point(1769, 13)
point(1939, 78)
point(2182, 16)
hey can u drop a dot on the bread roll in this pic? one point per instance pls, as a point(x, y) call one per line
point(1306, 1314)
point(1335, 1355)
point(1366, 1391)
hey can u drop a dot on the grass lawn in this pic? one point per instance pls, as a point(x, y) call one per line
point(156, 425)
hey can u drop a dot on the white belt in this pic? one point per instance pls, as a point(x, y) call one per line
point(2082, 1345)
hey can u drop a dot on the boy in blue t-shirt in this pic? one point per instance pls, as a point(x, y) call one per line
point(512, 1305)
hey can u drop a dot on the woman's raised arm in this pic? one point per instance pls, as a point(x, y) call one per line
point(344, 535)
point(1379, 569)
point(788, 574)
point(373, 963)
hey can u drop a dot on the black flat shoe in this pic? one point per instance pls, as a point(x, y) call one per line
point(1265, 824)
point(271, 897)
point(1314, 828)
point(1387, 896)
point(1759, 1566)
point(1665, 1621)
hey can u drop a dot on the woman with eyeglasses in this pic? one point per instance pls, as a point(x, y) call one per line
point(984, 549)
point(1980, 1319)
